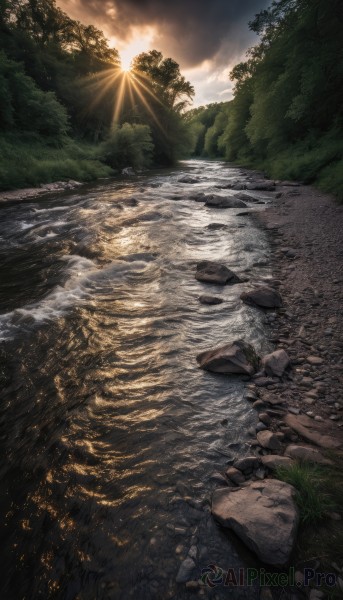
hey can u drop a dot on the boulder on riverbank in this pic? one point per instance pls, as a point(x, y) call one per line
point(263, 296)
point(236, 358)
point(263, 515)
point(262, 186)
point(275, 363)
point(212, 272)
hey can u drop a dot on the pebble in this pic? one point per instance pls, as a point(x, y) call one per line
point(261, 426)
point(293, 410)
point(318, 418)
point(185, 571)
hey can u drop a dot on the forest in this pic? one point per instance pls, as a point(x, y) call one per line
point(67, 109)
point(286, 114)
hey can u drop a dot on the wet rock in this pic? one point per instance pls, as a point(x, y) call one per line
point(268, 439)
point(210, 300)
point(198, 196)
point(237, 357)
point(263, 515)
point(212, 272)
point(128, 171)
point(276, 363)
point(186, 570)
point(216, 201)
point(247, 463)
point(265, 418)
point(261, 426)
point(274, 461)
point(235, 475)
point(263, 296)
point(265, 186)
point(188, 179)
point(306, 453)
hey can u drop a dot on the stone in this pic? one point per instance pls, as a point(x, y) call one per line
point(276, 363)
point(263, 515)
point(261, 426)
point(260, 473)
point(274, 461)
point(263, 296)
point(264, 186)
point(188, 179)
point(235, 475)
point(323, 435)
point(267, 439)
point(237, 357)
point(247, 463)
point(212, 272)
point(186, 570)
point(198, 196)
point(307, 454)
point(265, 418)
point(216, 201)
point(210, 300)
point(314, 360)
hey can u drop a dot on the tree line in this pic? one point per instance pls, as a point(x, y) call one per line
point(287, 112)
point(62, 89)
point(67, 110)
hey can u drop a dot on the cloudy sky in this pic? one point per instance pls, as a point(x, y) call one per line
point(206, 37)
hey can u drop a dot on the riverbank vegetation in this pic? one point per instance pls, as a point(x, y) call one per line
point(68, 110)
point(286, 116)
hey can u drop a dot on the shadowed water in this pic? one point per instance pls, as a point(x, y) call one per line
point(110, 434)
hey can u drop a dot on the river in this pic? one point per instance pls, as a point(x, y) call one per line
point(110, 433)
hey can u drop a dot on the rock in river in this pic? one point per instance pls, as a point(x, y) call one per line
point(235, 358)
point(210, 299)
point(220, 202)
point(263, 515)
point(276, 363)
point(212, 272)
point(263, 296)
point(188, 179)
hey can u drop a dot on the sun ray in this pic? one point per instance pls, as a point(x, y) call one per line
point(120, 98)
point(147, 106)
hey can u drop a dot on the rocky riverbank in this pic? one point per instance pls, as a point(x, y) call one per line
point(44, 188)
point(297, 390)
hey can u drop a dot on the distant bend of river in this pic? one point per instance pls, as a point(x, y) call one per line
point(110, 433)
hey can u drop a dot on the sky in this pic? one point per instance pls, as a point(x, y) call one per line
point(206, 37)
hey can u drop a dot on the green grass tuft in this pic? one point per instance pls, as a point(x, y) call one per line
point(312, 498)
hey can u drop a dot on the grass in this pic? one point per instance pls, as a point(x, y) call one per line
point(319, 491)
point(312, 161)
point(30, 161)
point(312, 497)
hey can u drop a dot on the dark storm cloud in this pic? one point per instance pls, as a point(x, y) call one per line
point(191, 30)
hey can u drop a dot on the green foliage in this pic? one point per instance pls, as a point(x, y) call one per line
point(128, 145)
point(313, 502)
point(206, 126)
point(24, 106)
point(287, 113)
point(59, 77)
point(28, 161)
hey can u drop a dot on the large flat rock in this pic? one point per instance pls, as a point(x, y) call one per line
point(263, 515)
point(325, 435)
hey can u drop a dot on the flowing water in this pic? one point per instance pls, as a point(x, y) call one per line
point(110, 433)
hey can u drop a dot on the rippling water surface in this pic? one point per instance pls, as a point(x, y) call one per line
point(110, 433)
